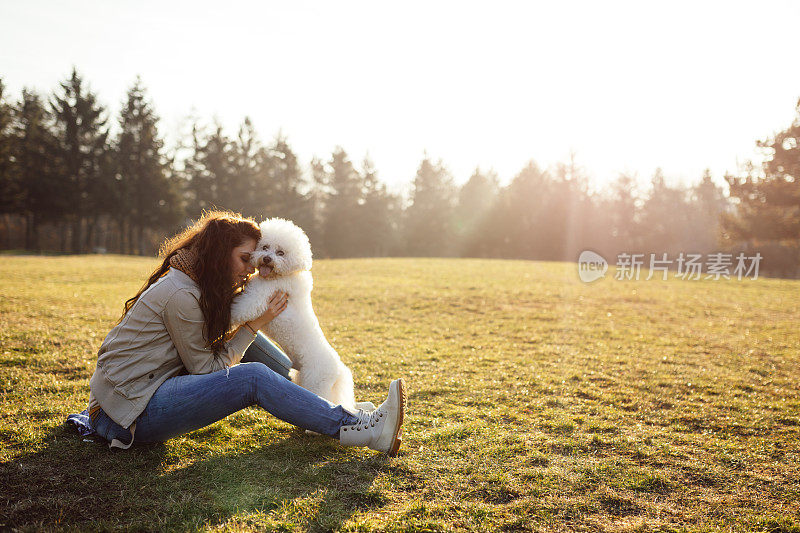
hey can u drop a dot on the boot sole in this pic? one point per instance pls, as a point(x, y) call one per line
point(398, 428)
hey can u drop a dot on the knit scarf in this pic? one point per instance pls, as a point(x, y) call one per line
point(185, 261)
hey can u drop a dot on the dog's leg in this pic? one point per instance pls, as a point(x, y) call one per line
point(318, 380)
point(250, 304)
point(342, 389)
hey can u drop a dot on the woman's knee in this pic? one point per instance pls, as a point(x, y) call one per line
point(258, 375)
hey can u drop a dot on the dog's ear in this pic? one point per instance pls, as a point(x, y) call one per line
point(295, 241)
point(304, 249)
point(264, 224)
point(305, 256)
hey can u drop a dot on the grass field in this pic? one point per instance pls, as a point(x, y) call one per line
point(536, 402)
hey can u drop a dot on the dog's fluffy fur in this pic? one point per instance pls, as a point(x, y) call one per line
point(284, 251)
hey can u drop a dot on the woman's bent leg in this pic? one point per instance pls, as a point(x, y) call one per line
point(186, 403)
point(263, 350)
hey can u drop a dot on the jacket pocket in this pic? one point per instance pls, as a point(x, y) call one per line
point(136, 388)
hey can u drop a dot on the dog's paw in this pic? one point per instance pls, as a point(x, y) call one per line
point(246, 308)
point(365, 406)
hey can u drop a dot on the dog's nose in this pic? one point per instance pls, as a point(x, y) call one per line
point(266, 260)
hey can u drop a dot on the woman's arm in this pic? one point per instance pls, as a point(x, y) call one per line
point(277, 303)
point(185, 323)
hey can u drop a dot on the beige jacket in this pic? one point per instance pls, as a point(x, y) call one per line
point(160, 337)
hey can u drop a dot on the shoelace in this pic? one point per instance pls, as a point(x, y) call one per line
point(368, 419)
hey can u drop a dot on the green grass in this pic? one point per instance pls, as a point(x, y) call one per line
point(536, 402)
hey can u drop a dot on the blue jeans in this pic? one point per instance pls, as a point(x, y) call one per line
point(189, 402)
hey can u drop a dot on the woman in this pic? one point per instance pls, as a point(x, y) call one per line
point(171, 366)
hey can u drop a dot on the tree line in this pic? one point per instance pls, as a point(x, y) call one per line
point(70, 182)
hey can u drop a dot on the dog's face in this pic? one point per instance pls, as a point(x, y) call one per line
point(283, 249)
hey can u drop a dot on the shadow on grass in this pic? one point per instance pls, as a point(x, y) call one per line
point(307, 482)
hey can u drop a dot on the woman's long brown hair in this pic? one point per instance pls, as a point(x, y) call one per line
point(212, 239)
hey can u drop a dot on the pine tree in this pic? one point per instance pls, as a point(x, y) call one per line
point(708, 206)
point(80, 127)
point(428, 220)
point(665, 218)
point(285, 184)
point(316, 207)
point(41, 192)
point(342, 202)
point(196, 185)
point(210, 171)
point(623, 209)
point(475, 198)
point(218, 160)
point(513, 227)
point(767, 206)
point(765, 214)
point(378, 215)
point(143, 196)
point(9, 193)
point(244, 191)
point(568, 210)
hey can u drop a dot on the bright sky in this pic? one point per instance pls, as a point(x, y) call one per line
point(628, 86)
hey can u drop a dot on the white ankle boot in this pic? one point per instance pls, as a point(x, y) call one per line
point(381, 429)
point(360, 406)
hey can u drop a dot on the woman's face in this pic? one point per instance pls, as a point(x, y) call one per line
point(240, 262)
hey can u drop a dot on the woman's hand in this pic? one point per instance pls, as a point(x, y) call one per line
point(277, 303)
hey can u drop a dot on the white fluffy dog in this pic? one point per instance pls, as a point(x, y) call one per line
point(284, 253)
